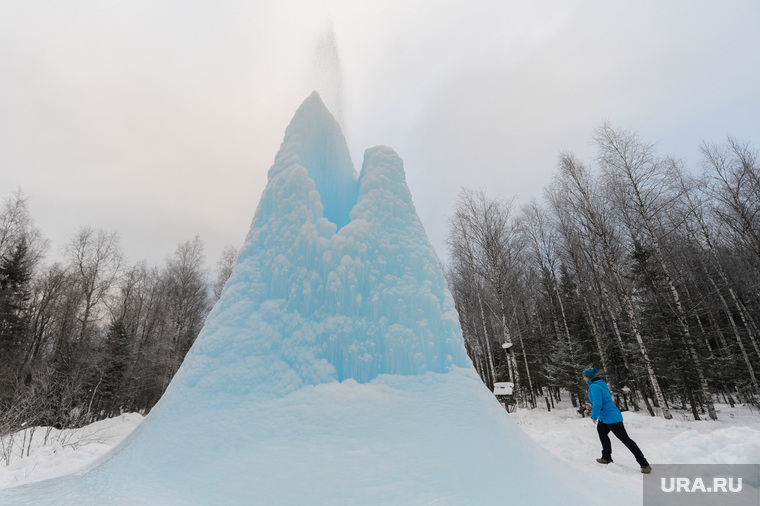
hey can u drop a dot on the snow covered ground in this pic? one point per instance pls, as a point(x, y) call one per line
point(733, 439)
point(53, 453)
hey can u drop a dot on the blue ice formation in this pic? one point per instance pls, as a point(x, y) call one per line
point(332, 288)
point(331, 371)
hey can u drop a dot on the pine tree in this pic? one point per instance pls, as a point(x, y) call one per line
point(112, 395)
point(15, 277)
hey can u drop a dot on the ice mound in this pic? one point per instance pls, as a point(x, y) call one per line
point(310, 302)
point(332, 369)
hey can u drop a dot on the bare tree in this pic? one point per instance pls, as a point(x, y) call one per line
point(466, 281)
point(536, 226)
point(94, 258)
point(16, 224)
point(735, 174)
point(224, 269)
point(187, 297)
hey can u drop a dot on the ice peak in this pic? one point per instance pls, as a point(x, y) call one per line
point(313, 110)
point(315, 98)
point(315, 141)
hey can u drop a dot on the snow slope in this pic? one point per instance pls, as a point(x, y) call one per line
point(332, 369)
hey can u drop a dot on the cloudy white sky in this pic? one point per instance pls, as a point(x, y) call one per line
point(159, 120)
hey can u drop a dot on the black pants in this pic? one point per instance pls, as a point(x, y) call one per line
point(617, 428)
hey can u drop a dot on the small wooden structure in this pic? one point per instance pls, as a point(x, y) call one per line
point(504, 392)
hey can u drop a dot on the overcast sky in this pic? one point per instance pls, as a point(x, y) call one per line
point(159, 120)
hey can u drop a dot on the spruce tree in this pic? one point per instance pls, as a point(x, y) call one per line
point(15, 277)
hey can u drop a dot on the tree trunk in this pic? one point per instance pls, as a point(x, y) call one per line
point(489, 354)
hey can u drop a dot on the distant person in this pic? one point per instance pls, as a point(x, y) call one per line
point(610, 419)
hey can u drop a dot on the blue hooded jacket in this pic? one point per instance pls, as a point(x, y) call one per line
point(602, 407)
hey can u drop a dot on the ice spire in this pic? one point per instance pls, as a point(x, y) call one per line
point(363, 300)
point(315, 141)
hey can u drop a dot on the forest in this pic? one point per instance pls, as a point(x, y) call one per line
point(632, 263)
point(92, 336)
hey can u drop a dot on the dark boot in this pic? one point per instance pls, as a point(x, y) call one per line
point(604, 461)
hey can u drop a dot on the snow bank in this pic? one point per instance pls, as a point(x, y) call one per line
point(733, 445)
point(49, 452)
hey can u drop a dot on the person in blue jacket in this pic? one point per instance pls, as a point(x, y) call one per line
point(610, 419)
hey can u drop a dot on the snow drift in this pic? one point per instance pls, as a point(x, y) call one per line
point(331, 371)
